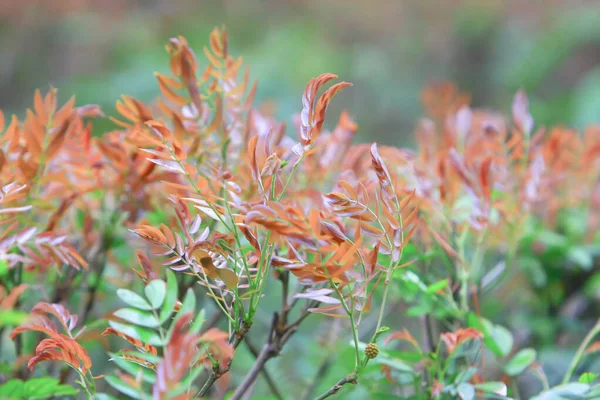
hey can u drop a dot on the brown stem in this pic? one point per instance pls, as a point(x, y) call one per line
point(268, 351)
point(279, 334)
point(99, 265)
point(352, 378)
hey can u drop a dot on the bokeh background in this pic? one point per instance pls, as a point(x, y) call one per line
point(389, 49)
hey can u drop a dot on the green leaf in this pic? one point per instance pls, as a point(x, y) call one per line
point(104, 396)
point(133, 299)
point(123, 387)
point(534, 270)
point(519, 362)
point(3, 268)
point(395, 363)
point(465, 375)
point(581, 257)
point(411, 357)
point(485, 327)
point(40, 388)
point(422, 308)
point(466, 391)
point(137, 317)
point(13, 389)
point(133, 369)
point(493, 387)
point(155, 292)
point(65, 390)
point(171, 297)
point(564, 392)
point(12, 317)
point(503, 338)
point(198, 322)
point(588, 377)
point(188, 305)
point(149, 357)
point(552, 239)
point(137, 332)
point(187, 381)
point(435, 287)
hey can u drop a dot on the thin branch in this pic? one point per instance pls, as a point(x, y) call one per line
point(352, 378)
point(581, 352)
point(268, 351)
point(236, 339)
point(279, 334)
point(428, 341)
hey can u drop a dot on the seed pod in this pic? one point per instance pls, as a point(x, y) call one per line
point(372, 350)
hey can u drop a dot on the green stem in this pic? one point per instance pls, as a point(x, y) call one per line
point(581, 351)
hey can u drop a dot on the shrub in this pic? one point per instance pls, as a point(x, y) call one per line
point(230, 220)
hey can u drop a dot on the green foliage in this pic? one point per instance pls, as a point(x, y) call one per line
point(156, 311)
point(35, 388)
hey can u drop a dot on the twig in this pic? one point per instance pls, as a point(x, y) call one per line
point(279, 334)
point(581, 351)
point(268, 351)
point(236, 339)
point(428, 342)
point(99, 264)
point(352, 378)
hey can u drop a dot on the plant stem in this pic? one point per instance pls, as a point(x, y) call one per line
point(580, 352)
point(270, 381)
point(236, 339)
point(352, 378)
point(268, 351)
point(278, 336)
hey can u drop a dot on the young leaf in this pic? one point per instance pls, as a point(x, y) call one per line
point(493, 387)
point(155, 292)
point(503, 338)
point(133, 299)
point(13, 388)
point(137, 317)
point(40, 388)
point(198, 322)
point(12, 317)
point(466, 391)
point(124, 388)
point(137, 332)
point(437, 286)
point(65, 390)
point(188, 305)
point(171, 297)
point(520, 361)
point(588, 377)
point(133, 369)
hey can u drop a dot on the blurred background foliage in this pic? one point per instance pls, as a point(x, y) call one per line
point(389, 49)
